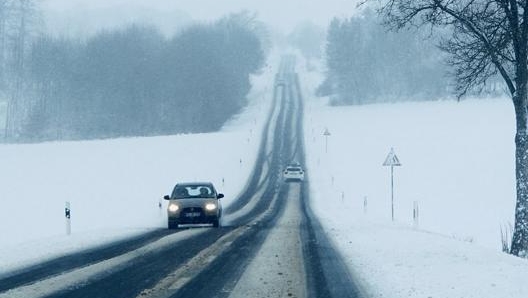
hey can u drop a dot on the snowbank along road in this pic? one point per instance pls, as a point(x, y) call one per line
point(270, 245)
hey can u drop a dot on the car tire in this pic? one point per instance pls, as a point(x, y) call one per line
point(216, 223)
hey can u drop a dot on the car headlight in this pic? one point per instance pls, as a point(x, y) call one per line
point(173, 207)
point(210, 206)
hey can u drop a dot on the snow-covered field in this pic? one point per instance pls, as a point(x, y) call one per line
point(457, 164)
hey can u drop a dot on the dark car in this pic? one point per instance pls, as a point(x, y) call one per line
point(194, 203)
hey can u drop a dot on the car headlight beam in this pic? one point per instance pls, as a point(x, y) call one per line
point(210, 206)
point(173, 207)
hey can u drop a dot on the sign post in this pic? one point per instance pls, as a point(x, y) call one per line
point(326, 133)
point(392, 161)
point(67, 214)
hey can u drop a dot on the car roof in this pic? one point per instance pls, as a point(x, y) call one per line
point(293, 167)
point(194, 184)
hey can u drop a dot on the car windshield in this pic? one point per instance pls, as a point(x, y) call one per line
point(193, 191)
point(293, 169)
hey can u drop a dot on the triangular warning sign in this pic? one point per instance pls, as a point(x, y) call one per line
point(392, 160)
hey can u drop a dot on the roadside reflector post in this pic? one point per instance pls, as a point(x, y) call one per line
point(67, 214)
point(416, 214)
point(392, 161)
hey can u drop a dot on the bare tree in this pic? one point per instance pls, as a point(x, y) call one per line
point(20, 25)
point(489, 38)
point(4, 15)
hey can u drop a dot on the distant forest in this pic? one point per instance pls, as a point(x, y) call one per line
point(368, 64)
point(131, 81)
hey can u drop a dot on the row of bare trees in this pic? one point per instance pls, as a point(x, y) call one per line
point(367, 64)
point(19, 21)
point(131, 81)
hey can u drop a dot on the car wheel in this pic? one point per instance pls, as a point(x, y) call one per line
point(216, 223)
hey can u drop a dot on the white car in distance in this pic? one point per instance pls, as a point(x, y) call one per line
point(294, 172)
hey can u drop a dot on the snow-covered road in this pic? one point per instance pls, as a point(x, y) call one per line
point(278, 268)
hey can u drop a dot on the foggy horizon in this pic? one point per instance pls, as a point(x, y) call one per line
point(86, 17)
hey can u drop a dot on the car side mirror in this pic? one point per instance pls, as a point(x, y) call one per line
point(166, 197)
point(220, 195)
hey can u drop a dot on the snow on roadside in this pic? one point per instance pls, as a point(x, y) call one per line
point(457, 164)
point(397, 261)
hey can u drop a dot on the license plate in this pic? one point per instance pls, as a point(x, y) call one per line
point(192, 214)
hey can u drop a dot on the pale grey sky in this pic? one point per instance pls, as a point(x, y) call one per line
point(280, 14)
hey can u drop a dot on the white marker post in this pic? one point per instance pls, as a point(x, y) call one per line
point(416, 215)
point(326, 133)
point(67, 214)
point(392, 161)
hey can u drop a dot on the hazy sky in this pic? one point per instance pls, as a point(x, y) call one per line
point(280, 14)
